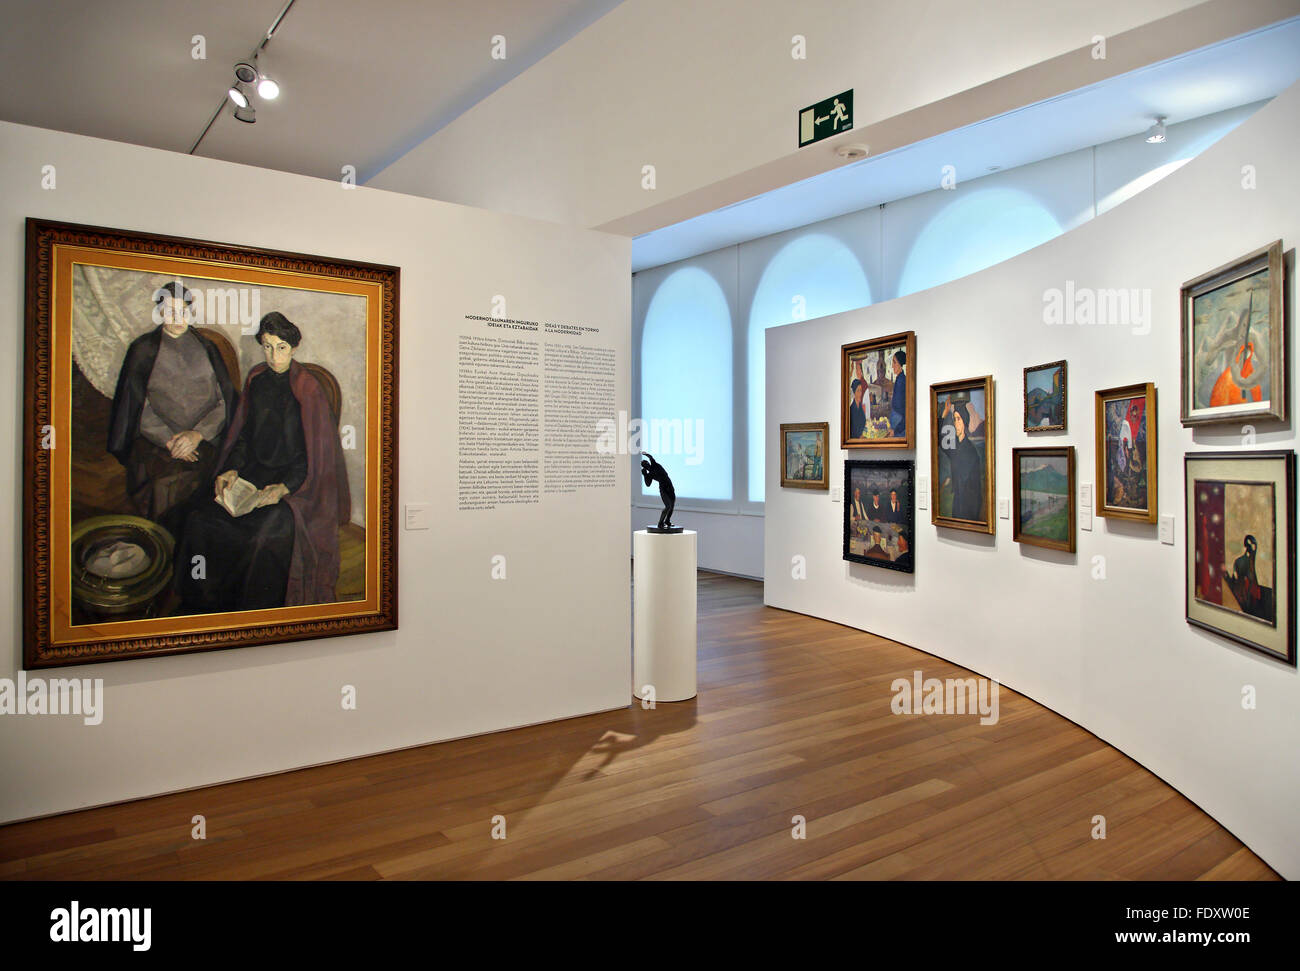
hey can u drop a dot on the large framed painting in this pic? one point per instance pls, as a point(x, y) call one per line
point(879, 525)
point(210, 446)
point(877, 397)
point(962, 459)
point(1125, 434)
point(803, 455)
point(1046, 395)
point(1042, 500)
point(1241, 547)
point(1234, 341)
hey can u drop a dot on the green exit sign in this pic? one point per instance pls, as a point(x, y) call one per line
point(826, 118)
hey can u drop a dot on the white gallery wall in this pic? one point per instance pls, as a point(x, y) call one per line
point(472, 654)
point(1115, 654)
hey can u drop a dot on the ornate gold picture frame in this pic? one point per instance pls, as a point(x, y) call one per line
point(210, 446)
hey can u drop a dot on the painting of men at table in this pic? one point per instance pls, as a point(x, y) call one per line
point(878, 521)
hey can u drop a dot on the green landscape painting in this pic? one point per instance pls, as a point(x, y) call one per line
point(1045, 496)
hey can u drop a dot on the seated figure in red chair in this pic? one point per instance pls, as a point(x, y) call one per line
point(269, 538)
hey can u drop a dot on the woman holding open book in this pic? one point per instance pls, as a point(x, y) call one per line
point(270, 538)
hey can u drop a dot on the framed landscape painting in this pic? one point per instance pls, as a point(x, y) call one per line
point(1042, 500)
point(877, 396)
point(1241, 547)
point(879, 525)
point(1045, 397)
point(1234, 340)
point(1125, 443)
point(803, 455)
point(210, 446)
point(962, 459)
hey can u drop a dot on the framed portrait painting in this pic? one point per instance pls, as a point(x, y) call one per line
point(210, 446)
point(879, 525)
point(1234, 341)
point(1241, 547)
point(1125, 434)
point(1042, 500)
point(877, 396)
point(1045, 397)
point(803, 455)
point(962, 459)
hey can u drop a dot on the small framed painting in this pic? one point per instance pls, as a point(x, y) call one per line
point(1234, 341)
point(1126, 452)
point(879, 526)
point(803, 455)
point(1241, 548)
point(1045, 397)
point(961, 462)
point(1042, 499)
point(877, 398)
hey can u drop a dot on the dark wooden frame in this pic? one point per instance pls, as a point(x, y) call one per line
point(1065, 398)
point(1269, 257)
point(1048, 450)
point(1152, 513)
point(42, 238)
point(1289, 460)
point(990, 456)
point(908, 340)
point(824, 482)
point(907, 465)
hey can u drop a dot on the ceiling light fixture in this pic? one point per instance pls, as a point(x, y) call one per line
point(251, 78)
point(266, 85)
point(1156, 133)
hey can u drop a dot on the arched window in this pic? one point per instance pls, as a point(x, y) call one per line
point(811, 276)
point(975, 231)
point(686, 384)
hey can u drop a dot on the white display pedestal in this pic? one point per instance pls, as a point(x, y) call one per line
point(663, 625)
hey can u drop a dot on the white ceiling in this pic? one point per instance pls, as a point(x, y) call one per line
point(362, 82)
point(1236, 72)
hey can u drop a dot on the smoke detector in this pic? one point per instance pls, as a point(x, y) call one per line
point(852, 152)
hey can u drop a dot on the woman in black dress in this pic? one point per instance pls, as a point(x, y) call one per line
point(227, 562)
point(966, 469)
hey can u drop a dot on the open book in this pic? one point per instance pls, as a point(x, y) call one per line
point(239, 498)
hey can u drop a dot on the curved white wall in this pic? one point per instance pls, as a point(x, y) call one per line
point(1114, 655)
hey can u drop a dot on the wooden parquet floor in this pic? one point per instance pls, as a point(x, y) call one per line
point(793, 719)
